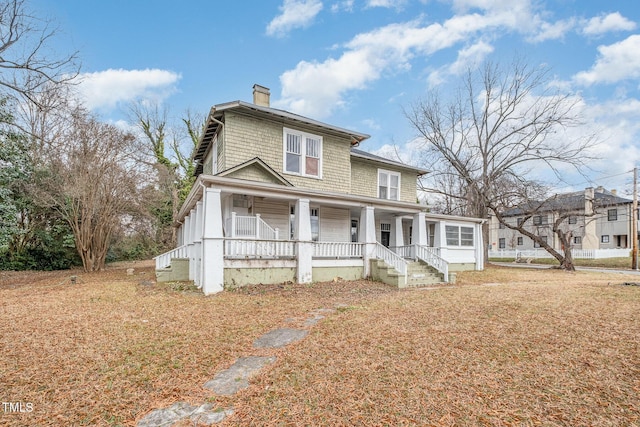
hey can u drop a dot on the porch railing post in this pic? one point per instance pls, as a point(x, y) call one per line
point(233, 225)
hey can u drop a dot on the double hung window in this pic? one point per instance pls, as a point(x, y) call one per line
point(388, 185)
point(302, 153)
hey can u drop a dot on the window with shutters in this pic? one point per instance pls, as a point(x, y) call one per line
point(302, 153)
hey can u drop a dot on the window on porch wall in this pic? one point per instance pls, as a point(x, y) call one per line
point(459, 236)
point(315, 223)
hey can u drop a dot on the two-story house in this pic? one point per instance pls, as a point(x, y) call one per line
point(280, 197)
point(598, 219)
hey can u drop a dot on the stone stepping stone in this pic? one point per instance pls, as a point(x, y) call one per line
point(202, 415)
point(236, 378)
point(280, 337)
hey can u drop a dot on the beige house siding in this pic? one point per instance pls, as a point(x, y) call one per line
point(364, 180)
point(335, 224)
point(247, 137)
point(408, 187)
point(274, 213)
point(254, 173)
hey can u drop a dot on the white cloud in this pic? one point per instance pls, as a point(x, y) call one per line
point(294, 14)
point(346, 5)
point(606, 23)
point(106, 89)
point(317, 88)
point(468, 57)
point(618, 61)
point(552, 31)
point(395, 4)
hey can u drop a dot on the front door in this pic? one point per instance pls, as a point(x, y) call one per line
point(385, 234)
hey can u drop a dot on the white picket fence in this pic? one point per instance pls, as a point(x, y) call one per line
point(577, 253)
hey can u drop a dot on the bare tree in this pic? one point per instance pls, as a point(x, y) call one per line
point(93, 183)
point(490, 137)
point(560, 208)
point(170, 152)
point(27, 64)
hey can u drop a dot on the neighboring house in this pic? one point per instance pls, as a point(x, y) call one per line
point(280, 197)
point(600, 220)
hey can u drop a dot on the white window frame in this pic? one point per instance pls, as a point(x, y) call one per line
point(388, 187)
point(304, 152)
point(465, 240)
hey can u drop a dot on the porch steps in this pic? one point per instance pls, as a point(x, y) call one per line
point(419, 274)
point(178, 271)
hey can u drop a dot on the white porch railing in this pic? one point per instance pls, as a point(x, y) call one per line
point(337, 250)
point(577, 253)
point(251, 249)
point(403, 251)
point(249, 227)
point(164, 260)
point(433, 258)
point(391, 258)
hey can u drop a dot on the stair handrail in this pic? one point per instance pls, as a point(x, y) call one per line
point(164, 260)
point(391, 258)
point(430, 257)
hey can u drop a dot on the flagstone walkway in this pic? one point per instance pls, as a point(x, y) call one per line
point(230, 381)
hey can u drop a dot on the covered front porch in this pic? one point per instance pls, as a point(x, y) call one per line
point(238, 232)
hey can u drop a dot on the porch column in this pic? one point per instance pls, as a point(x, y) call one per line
point(398, 234)
point(192, 244)
point(302, 234)
point(440, 239)
point(479, 247)
point(368, 237)
point(197, 244)
point(179, 235)
point(418, 232)
point(188, 239)
point(212, 267)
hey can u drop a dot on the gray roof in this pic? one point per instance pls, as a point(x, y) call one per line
point(217, 111)
point(366, 155)
point(567, 202)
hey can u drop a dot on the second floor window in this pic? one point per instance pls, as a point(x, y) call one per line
point(540, 220)
point(303, 153)
point(612, 215)
point(388, 185)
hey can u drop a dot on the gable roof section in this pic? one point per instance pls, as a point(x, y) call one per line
point(217, 111)
point(260, 164)
point(368, 156)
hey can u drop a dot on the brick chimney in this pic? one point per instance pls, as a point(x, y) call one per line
point(261, 95)
point(614, 192)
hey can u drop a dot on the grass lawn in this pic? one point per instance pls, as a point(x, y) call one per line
point(501, 347)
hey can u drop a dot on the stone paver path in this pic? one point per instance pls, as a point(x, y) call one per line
point(201, 415)
point(280, 338)
point(233, 379)
point(236, 378)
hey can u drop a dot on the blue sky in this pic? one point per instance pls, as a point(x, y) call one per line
point(357, 64)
